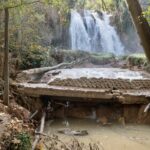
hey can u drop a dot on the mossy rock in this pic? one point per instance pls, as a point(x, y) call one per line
point(102, 58)
point(138, 59)
point(147, 67)
point(68, 55)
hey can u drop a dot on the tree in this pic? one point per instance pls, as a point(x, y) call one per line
point(141, 25)
point(6, 6)
point(6, 59)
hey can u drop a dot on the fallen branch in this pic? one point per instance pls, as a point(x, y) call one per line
point(46, 69)
point(37, 137)
point(32, 75)
point(147, 108)
point(42, 134)
point(33, 114)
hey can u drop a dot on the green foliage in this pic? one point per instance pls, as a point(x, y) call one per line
point(146, 13)
point(96, 4)
point(14, 3)
point(137, 59)
point(17, 141)
point(25, 141)
point(28, 25)
point(63, 8)
point(34, 57)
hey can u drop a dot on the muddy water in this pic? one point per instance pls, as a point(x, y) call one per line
point(112, 137)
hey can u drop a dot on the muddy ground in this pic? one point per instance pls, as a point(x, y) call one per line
point(115, 136)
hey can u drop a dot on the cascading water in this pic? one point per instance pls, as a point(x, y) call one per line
point(92, 32)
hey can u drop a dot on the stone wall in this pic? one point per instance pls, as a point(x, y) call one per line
point(57, 29)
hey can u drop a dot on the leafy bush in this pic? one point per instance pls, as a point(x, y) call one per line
point(146, 14)
point(25, 141)
point(16, 141)
point(137, 59)
point(34, 57)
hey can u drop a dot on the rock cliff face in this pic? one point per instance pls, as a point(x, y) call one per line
point(128, 33)
point(123, 21)
point(58, 30)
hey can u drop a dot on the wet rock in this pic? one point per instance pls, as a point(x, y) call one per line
point(68, 131)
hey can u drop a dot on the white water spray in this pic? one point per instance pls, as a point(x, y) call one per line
point(92, 32)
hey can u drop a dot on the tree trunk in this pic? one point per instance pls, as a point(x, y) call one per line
point(6, 60)
point(141, 24)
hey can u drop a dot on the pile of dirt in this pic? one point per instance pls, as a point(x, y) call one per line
point(15, 130)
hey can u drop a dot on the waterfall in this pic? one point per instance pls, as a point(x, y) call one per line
point(92, 32)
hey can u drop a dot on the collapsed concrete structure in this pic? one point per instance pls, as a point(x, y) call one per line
point(104, 89)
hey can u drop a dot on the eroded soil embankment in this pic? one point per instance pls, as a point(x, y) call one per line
point(103, 113)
